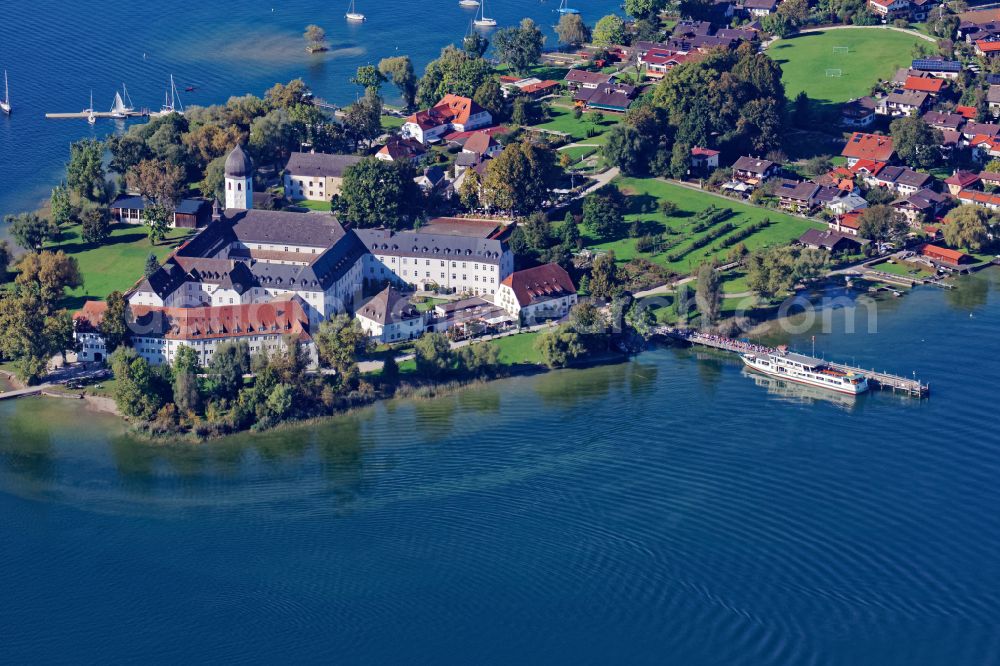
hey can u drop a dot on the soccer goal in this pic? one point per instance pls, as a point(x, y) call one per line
point(834, 72)
point(841, 49)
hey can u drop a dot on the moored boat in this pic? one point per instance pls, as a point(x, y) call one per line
point(354, 15)
point(484, 21)
point(468, 3)
point(805, 370)
point(5, 102)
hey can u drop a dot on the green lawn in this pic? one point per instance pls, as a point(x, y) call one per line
point(322, 206)
point(872, 55)
point(647, 193)
point(392, 123)
point(428, 304)
point(115, 265)
point(518, 349)
point(578, 153)
point(902, 268)
point(562, 120)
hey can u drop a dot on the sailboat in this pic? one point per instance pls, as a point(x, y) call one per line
point(119, 109)
point(484, 21)
point(354, 15)
point(171, 100)
point(5, 102)
point(91, 116)
point(468, 3)
point(564, 8)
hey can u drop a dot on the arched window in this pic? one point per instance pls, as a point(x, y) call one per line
point(229, 186)
point(239, 187)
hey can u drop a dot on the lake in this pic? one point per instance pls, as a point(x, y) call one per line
point(668, 509)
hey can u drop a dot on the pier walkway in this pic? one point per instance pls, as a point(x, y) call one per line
point(880, 380)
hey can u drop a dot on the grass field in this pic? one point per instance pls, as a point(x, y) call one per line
point(115, 265)
point(902, 268)
point(873, 54)
point(322, 206)
point(562, 120)
point(647, 193)
point(518, 349)
point(391, 123)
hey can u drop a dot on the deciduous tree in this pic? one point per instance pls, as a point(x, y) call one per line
point(375, 192)
point(572, 31)
point(50, 274)
point(609, 31)
point(519, 47)
point(115, 322)
point(31, 231)
point(399, 70)
point(967, 227)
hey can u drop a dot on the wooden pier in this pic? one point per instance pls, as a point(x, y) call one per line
point(881, 380)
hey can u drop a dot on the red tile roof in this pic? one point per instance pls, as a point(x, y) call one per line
point(923, 84)
point(967, 112)
point(532, 88)
point(540, 283)
point(698, 151)
point(451, 109)
point(961, 178)
point(944, 254)
point(988, 47)
point(225, 321)
point(90, 316)
point(868, 147)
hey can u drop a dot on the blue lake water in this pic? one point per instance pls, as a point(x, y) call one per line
point(58, 51)
point(672, 509)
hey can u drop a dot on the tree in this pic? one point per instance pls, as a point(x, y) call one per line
point(603, 212)
point(680, 160)
point(609, 31)
point(490, 97)
point(187, 391)
point(115, 322)
point(708, 296)
point(770, 271)
point(519, 179)
point(390, 371)
point(375, 192)
point(604, 276)
point(967, 227)
point(526, 112)
point(157, 219)
point(285, 95)
point(399, 70)
point(778, 25)
point(468, 191)
point(433, 355)
point(572, 30)
point(31, 333)
point(475, 45)
point(31, 231)
point(339, 339)
point(915, 142)
point(644, 9)
point(519, 47)
point(152, 265)
point(49, 274)
point(5, 256)
point(370, 78)
point(625, 149)
point(818, 165)
point(363, 121)
point(85, 170)
point(139, 392)
point(186, 360)
point(226, 369)
point(810, 265)
point(796, 11)
point(274, 136)
point(157, 181)
point(62, 209)
point(127, 150)
point(881, 223)
point(801, 112)
point(457, 72)
point(315, 37)
point(96, 224)
point(559, 347)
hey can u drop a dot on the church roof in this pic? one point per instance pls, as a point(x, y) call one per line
point(239, 164)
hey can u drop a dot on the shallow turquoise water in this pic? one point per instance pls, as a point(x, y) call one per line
point(669, 509)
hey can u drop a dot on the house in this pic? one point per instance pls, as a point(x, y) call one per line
point(847, 204)
point(754, 171)
point(989, 179)
point(942, 255)
point(159, 332)
point(797, 197)
point(902, 180)
point(534, 294)
point(901, 103)
point(938, 66)
point(922, 205)
point(390, 317)
point(993, 100)
point(482, 144)
point(759, 8)
point(833, 242)
point(704, 160)
point(959, 181)
point(981, 199)
point(987, 48)
point(469, 315)
point(660, 61)
point(873, 147)
point(929, 85)
point(453, 113)
point(858, 113)
point(399, 149)
point(91, 347)
point(944, 121)
point(433, 178)
point(847, 223)
point(920, 9)
point(529, 87)
point(610, 97)
point(464, 263)
point(975, 132)
point(967, 112)
point(578, 79)
point(316, 176)
point(889, 10)
point(188, 213)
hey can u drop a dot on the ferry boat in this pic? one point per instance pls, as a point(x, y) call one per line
point(805, 370)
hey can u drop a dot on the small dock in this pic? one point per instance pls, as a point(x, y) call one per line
point(25, 392)
point(83, 115)
point(881, 380)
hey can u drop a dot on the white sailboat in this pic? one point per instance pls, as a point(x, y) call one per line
point(484, 21)
point(119, 108)
point(564, 8)
point(468, 3)
point(91, 116)
point(171, 100)
point(5, 102)
point(354, 15)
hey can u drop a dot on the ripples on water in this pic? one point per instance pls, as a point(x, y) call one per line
point(664, 510)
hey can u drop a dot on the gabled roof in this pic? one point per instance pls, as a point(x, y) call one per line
point(88, 319)
point(583, 76)
point(479, 142)
point(698, 151)
point(943, 253)
point(828, 239)
point(388, 306)
point(961, 179)
point(868, 147)
point(320, 165)
point(944, 120)
point(923, 84)
point(286, 317)
point(988, 46)
point(753, 165)
point(967, 112)
point(993, 95)
point(452, 109)
point(398, 148)
point(906, 98)
point(540, 284)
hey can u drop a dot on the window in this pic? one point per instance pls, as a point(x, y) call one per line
point(239, 187)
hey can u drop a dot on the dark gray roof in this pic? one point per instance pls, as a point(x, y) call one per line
point(320, 165)
point(239, 164)
point(388, 306)
point(283, 227)
point(437, 246)
point(136, 202)
point(752, 165)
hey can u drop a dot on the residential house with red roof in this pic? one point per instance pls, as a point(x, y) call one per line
point(453, 113)
point(960, 180)
point(889, 10)
point(873, 147)
point(543, 292)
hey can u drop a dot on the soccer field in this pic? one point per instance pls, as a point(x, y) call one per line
point(871, 54)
